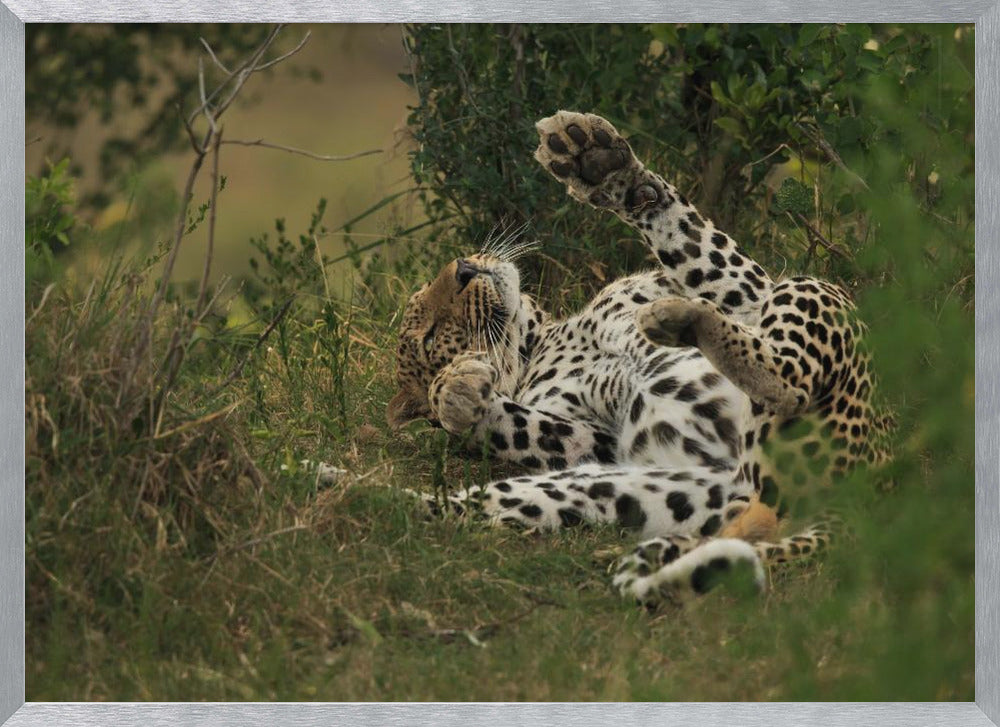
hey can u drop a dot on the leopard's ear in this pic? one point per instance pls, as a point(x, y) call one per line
point(405, 407)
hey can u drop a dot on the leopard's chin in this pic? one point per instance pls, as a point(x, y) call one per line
point(506, 282)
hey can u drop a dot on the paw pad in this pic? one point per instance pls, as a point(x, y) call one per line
point(583, 151)
point(577, 134)
point(557, 145)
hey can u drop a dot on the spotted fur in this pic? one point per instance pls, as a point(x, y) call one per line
point(676, 404)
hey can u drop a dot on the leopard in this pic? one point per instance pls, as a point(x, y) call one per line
point(688, 403)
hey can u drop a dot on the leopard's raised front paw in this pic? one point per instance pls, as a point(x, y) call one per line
point(671, 321)
point(460, 392)
point(587, 154)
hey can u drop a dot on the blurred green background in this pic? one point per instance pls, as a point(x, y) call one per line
point(340, 94)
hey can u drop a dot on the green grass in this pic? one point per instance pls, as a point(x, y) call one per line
point(192, 567)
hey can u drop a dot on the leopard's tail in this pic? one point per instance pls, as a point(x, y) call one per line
point(464, 503)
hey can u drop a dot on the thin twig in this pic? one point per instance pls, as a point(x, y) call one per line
point(780, 147)
point(817, 138)
point(227, 90)
point(263, 337)
point(210, 305)
point(289, 54)
point(41, 303)
point(146, 330)
point(209, 115)
point(214, 57)
point(818, 236)
point(461, 75)
point(210, 244)
point(303, 152)
point(245, 74)
point(179, 227)
point(227, 549)
point(240, 73)
point(196, 422)
point(476, 635)
point(190, 130)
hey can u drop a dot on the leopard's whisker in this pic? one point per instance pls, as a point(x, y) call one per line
point(495, 238)
point(515, 246)
point(509, 240)
point(522, 249)
point(491, 239)
point(501, 343)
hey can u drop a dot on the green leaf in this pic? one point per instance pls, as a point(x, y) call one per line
point(809, 33)
point(869, 61)
point(718, 94)
point(367, 628)
point(793, 196)
point(731, 126)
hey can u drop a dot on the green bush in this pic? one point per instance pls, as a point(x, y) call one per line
point(741, 117)
point(49, 221)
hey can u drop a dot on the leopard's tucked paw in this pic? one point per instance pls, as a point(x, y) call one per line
point(460, 392)
point(671, 321)
point(587, 154)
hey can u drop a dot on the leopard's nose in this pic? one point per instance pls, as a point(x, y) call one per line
point(464, 272)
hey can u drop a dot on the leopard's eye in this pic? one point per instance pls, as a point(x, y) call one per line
point(645, 194)
point(429, 338)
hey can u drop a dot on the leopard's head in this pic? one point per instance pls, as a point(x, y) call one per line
point(474, 304)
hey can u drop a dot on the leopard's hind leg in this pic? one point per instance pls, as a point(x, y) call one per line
point(677, 569)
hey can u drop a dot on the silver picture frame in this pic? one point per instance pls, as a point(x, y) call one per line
point(984, 711)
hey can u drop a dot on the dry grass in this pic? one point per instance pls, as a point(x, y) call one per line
point(191, 566)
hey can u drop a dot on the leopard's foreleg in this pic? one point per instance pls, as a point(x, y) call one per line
point(598, 167)
point(739, 352)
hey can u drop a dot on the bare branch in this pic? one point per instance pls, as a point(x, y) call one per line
point(286, 56)
point(219, 289)
point(190, 130)
point(303, 152)
point(179, 226)
point(780, 147)
point(817, 138)
point(212, 106)
point(241, 73)
point(215, 58)
point(209, 116)
point(818, 236)
point(247, 70)
point(210, 244)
